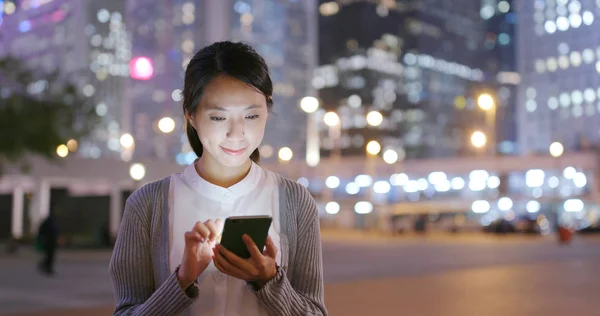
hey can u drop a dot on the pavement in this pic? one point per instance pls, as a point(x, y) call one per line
point(365, 273)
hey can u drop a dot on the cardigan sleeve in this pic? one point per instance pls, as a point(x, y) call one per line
point(303, 293)
point(131, 269)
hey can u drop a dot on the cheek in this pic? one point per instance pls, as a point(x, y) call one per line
point(210, 134)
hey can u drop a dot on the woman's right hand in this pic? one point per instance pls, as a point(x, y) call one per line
point(198, 250)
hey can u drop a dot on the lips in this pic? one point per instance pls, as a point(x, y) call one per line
point(234, 152)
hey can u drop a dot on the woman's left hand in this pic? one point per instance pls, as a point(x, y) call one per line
point(259, 268)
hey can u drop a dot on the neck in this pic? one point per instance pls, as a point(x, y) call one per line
point(218, 175)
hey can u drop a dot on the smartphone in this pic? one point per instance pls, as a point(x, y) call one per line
point(257, 227)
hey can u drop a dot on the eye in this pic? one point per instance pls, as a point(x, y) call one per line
point(216, 118)
point(252, 117)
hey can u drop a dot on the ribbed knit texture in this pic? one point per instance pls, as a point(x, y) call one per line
point(139, 269)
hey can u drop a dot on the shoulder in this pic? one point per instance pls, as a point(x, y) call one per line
point(296, 195)
point(142, 199)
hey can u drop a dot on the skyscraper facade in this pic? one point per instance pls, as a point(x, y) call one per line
point(559, 61)
point(87, 43)
point(417, 63)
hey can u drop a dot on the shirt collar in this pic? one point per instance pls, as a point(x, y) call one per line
point(215, 192)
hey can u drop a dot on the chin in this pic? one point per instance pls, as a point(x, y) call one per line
point(234, 161)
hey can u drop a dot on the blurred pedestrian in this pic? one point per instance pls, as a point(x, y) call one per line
point(47, 242)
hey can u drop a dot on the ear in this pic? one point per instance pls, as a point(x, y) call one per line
point(190, 119)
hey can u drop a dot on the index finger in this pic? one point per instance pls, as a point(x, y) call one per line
point(252, 247)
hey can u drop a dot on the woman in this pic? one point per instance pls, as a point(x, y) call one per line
point(166, 260)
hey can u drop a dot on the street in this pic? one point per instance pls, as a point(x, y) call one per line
point(364, 274)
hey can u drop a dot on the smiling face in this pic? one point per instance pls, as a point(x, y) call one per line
point(230, 120)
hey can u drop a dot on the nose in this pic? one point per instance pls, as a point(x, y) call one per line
point(236, 130)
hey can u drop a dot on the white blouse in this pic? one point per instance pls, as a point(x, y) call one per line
point(193, 199)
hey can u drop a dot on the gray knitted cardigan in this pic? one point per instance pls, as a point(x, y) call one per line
point(144, 285)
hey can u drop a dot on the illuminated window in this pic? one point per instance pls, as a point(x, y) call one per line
point(550, 27)
point(588, 56)
point(575, 58)
point(562, 23)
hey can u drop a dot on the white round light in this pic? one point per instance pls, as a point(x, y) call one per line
point(332, 208)
point(411, 186)
point(573, 205)
point(556, 149)
point(458, 183)
point(569, 172)
point(137, 171)
point(553, 182)
point(352, 188)
point(363, 207)
point(493, 182)
point(398, 179)
point(550, 27)
point(480, 206)
point(309, 104)
point(505, 204)
point(176, 95)
point(331, 119)
point(166, 125)
point(354, 101)
point(533, 206)
point(381, 187)
point(390, 156)
point(285, 154)
point(588, 18)
point(332, 182)
point(534, 178)
point(363, 180)
point(126, 140)
point(580, 180)
point(374, 118)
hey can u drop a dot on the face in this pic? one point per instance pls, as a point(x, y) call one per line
point(230, 120)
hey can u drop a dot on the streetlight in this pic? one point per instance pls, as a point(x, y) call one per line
point(309, 104)
point(137, 171)
point(313, 155)
point(374, 118)
point(390, 156)
point(478, 139)
point(127, 140)
point(72, 145)
point(331, 119)
point(373, 148)
point(285, 154)
point(486, 102)
point(62, 150)
point(166, 125)
point(556, 149)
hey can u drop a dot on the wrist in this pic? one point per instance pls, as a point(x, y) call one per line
point(183, 281)
point(262, 282)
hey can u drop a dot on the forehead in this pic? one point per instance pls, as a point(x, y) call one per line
point(224, 91)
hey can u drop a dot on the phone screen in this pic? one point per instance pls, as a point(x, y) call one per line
point(257, 227)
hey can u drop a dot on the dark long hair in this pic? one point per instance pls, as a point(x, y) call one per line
point(237, 60)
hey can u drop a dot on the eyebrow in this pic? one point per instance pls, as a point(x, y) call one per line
point(218, 108)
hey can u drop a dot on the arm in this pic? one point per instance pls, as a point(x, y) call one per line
point(132, 273)
point(303, 295)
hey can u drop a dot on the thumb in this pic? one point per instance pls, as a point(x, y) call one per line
point(271, 250)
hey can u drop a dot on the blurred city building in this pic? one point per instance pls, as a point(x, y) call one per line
point(130, 57)
point(418, 64)
point(87, 43)
point(463, 191)
point(559, 63)
point(500, 62)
